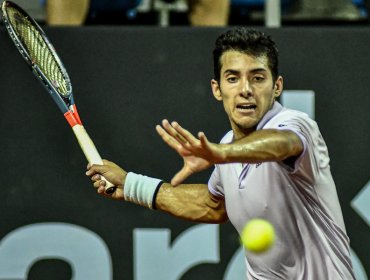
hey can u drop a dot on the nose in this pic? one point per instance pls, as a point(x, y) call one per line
point(246, 89)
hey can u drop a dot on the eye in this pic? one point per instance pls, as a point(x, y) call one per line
point(232, 79)
point(258, 78)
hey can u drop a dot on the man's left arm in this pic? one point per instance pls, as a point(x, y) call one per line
point(261, 145)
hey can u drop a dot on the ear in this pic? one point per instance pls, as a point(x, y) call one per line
point(278, 87)
point(216, 90)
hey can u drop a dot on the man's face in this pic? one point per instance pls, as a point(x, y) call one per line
point(246, 89)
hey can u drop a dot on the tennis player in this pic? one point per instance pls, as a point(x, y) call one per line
point(272, 164)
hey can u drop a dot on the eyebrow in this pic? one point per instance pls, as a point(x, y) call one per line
point(235, 72)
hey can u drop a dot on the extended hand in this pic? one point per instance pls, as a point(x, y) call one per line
point(198, 153)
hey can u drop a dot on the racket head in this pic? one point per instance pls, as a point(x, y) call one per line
point(36, 49)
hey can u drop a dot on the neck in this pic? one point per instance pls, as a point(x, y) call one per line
point(242, 132)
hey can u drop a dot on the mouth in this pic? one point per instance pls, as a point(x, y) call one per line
point(246, 108)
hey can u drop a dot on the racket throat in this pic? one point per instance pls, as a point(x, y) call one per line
point(72, 116)
point(73, 108)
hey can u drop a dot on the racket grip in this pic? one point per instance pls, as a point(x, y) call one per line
point(91, 153)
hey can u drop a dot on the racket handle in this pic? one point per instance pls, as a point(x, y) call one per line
point(91, 153)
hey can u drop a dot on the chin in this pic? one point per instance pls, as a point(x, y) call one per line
point(247, 127)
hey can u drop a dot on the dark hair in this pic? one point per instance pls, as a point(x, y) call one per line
point(249, 41)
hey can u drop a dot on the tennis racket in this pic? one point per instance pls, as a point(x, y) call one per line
point(40, 55)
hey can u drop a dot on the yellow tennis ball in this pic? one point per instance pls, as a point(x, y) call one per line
point(258, 235)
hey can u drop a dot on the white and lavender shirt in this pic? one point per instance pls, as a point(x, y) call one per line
point(299, 198)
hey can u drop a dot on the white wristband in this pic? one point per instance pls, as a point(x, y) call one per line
point(141, 189)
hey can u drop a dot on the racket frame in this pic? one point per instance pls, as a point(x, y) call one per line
point(65, 102)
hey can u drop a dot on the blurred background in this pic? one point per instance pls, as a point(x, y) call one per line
point(133, 63)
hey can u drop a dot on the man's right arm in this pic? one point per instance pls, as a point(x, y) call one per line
point(192, 202)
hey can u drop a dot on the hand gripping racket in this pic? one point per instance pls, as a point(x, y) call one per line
point(40, 55)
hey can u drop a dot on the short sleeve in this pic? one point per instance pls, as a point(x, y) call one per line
point(314, 155)
point(214, 183)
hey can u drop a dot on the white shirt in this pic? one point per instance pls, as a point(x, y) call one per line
point(299, 199)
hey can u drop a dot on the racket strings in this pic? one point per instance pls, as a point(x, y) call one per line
point(39, 51)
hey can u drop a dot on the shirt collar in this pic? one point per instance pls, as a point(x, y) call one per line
point(276, 108)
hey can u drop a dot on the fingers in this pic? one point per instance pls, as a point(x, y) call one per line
point(99, 183)
point(93, 171)
point(167, 138)
point(101, 190)
point(95, 178)
point(174, 135)
point(95, 168)
point(171, 130)
point(184, 135)
point(203, 139)
point(181, 176)
point(99, 174)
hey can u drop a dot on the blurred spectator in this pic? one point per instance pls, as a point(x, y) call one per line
point(66, 12)
point(324, 10)
point(75, 12)
point(199, 12)
point(209, 12)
